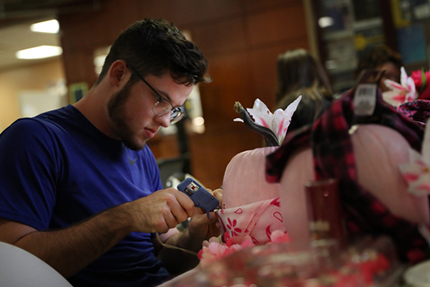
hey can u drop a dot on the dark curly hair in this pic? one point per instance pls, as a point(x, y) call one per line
point(154, 46)
point(374, 57)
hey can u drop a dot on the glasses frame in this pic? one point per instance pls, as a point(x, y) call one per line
point(176, 113)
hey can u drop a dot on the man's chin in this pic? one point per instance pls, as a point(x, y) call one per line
point(135, 145)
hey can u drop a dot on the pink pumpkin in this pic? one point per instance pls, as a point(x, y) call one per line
point(251, 208)
point(244, 179)
point(378, 152)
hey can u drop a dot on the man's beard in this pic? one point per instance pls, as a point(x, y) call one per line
point(116, 110)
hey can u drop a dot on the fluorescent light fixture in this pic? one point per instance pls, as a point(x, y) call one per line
point(39, 52)
point(50, 26)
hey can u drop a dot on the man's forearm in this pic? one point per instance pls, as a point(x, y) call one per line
point(71, 249)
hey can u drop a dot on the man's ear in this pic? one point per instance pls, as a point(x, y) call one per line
point(118, 73)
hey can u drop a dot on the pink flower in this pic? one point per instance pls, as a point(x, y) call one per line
point(417, 86)
point(213, 250)
point(403, 92)
point(421, 80)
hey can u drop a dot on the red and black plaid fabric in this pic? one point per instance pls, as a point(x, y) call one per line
point(334, 158)
point(418, 110)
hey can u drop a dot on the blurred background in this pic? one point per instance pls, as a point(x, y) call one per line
point(240, 38)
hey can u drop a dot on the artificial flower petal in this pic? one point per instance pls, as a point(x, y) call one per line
point(403, 92)
point(278, 122)
point(416, 172)
point(411, 95)
point(261, 114)
point(394, 86)
point(403, 76)
point(282, 119)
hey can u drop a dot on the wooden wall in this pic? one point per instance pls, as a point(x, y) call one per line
point(241, 40)
point(34, 77)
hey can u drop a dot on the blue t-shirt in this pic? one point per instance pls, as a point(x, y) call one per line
point(57, 169)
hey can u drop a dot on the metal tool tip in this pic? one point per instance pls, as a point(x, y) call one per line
point(237, 107)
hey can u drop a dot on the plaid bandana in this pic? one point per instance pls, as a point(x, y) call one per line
point(418, 110)
point(334, 158)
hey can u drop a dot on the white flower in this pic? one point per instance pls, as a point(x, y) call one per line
point(278, 122)
point(403, 92)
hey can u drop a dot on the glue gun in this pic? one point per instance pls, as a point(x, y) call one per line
point(199, 195)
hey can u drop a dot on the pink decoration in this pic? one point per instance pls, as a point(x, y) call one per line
point(278, 122)
point(403, 92)
point(416, 172)
point(214, 250)
point(244, 179)
point(256, 220)
point(378, 151)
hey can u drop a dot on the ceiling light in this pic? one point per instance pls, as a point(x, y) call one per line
point(50, 26)
point(39, 52)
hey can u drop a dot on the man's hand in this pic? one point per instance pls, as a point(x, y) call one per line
point(160, 211)
point(200, 226)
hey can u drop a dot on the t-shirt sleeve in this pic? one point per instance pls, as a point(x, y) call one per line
point(28, 171)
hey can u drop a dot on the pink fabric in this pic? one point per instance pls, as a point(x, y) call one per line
point(257, 220)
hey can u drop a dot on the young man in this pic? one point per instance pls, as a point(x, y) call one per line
point(78, 186)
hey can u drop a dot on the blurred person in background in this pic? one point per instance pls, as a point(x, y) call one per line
point(381, 58)
point(300, 74)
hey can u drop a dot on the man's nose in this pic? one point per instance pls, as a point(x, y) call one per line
point(164, 120)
